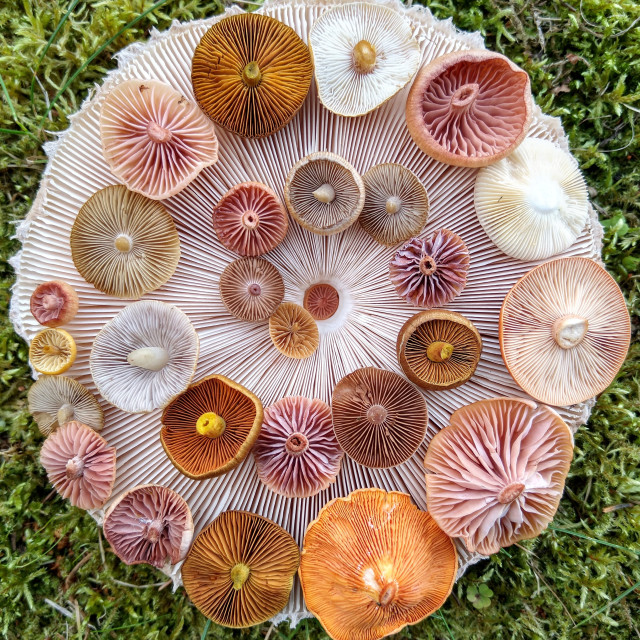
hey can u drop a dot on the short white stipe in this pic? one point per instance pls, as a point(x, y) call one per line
point(151, 358)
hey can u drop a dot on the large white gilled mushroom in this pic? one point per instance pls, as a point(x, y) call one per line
point(145, 356)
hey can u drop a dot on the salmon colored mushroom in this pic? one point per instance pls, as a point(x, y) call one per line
point(54, 303)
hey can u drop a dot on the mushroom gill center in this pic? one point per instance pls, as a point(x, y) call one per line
point(239, 575)
point(52, 302)
point(254, 289)
point(65, 414)
point(211, 425)
point(427, 266)
point(510, 492)
point(296, 444)
point(464, 97)
point(325, 193)
point(439, 351)
point(153, 530)
point(51, 350)
point(569, 331)
point(74, 468)
point(250, 219)
point(123, 243)
point(158, 133)
point(393, 205)
point(151, 358)
point(388, 593)
point(545, 196)
point(251, 74)
point(364, 57)
point(377, 414)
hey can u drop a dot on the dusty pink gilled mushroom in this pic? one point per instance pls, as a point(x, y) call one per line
point(149, 524)
point(297, 454)
point(54, 303)
point(80, 465)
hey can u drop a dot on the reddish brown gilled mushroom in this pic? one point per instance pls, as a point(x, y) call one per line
point(321, 300)
point(54, 303)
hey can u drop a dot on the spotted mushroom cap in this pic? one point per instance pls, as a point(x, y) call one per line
point(293, 331)
point(379, 418)
point(154, 139)
point(564, 331)
point(496, 473)
point(54, 303)
point(469, 108)
point(373, 563)
point(52, 351)
point(80, 465)
point(363, 54)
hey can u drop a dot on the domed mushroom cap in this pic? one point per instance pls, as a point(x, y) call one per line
point(533, 204)
point(293, 331)
point(250, 220)
point(438, 349)
point(564, 331)
point(496, 473)
point(395, 206)
point(239, 570)
point(145, 356)
point(52, 351)
point(80, 465)
point(251, 289)
point(431, 272)
point(363, 55)
point(54, 303)
point(251, 74)
point(469, 108)
point(56, 400)
point(297, 454)
point(372, 563)
point(149, 524)
point(379, 418)
point(324, 193)
point(210, 428)
point(123, 243)
point(154, 139)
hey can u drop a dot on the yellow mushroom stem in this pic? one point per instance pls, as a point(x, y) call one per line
point(393, 205)
point(569, 331)
point(158, 133)
point(51, 350)
point(325, 193)
point(123, 243)
point(364, 57)
point(439, 351)
point(239, 575)
point(211, 425)
point(251, 74)
point(65, 414)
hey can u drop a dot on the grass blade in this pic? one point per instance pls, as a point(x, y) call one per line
point(623, 595)
point(205, 631)
point(603, 542)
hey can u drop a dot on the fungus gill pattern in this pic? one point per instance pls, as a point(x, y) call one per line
point(293, 331)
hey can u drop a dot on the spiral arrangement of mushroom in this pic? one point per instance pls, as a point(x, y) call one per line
point(344, 282)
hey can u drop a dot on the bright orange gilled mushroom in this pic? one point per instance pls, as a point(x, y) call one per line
point(210, 428)
point(564, 331)
point(251, 74)
point(54, 303)
point(469, 108)
point(293, 331)
point(52, 351)
point(496, 473)
point(372, 563)
point(239, 571)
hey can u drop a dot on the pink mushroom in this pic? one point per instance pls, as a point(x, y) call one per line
point(54, 303)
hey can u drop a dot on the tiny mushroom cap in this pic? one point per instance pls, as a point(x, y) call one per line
point(210, 428)
point(469, 108)
point(438, 349)
point(251, 74)
point(321, 300)
point(251, 289)
point(324, 193)
point(379, 418)
point(250, 219)
point(56, 400)
point(293, 331)
point(363, 54)
point(564, 331)
point(154, 139)
point(149, 524)
point(54, 303)
point(430, 272)
point(123, 243)
point(52, 351)
point(297, 454)
point(396, 205)
point(80, 465)
point(533, 204)
point(497, 472)
point(239, 571)
point(373, 563)
point(145, 356)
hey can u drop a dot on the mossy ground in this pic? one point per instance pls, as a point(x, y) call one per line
point(57, 579)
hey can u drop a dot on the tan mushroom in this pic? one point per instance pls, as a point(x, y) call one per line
point(293, 331)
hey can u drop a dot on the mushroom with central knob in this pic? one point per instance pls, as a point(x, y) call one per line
point(325, 193)
point(439, 351)
point(464, 97)
point(123, 243)
point(393, 205)
point(211, 425)
point(510, 493)
point(239, 575)
point(569, 331)
point(251, 74)
point(364, 57)
point(151, 358)
point(158, 133)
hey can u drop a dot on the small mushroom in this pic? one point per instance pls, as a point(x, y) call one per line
point(438, 350)
point(496, 473)
point(564, 331)
point(251, 74)
point(379, 418)
point(210, 428)
point(469, 108)
point(363, 54)
point(145, 356)
point(250, 219)
point(80, 465)
point(293, 331)
point(124, 244)
point(321, 300)
point(533, 204)
point(430, 272)
point(149, 524)
point(54, 303)
point(372, 563)
point(239, 571)
point(154, 139)
point(56, 400)
point(251, 289)
point(395, 206)
point(297, 454)
point(52, 351)
point(324, 193)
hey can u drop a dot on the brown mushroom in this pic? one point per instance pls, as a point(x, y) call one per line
point(293, 331)
point(321, 300)
point(54, 303)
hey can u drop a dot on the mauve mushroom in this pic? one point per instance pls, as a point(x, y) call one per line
point(54, 303)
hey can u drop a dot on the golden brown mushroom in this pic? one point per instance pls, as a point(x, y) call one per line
point(293, 331)
point(52, 351)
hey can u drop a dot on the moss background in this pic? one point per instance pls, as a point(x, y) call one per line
point(580, 579)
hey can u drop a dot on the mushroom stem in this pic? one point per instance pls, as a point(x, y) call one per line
point(254, 289)
point(153, 530)
point(296, 444)
point(52, 302)
point(151, 358)
point(158, 133)
point(509, 493)
point(377, 414)
point(427, 266)
point(250, 219)
point(465, 96)
point(74, 468)
point(51, 350)
point(65, 414)
point(364, 57)
point(325, 193)
point(211, 425)
point(239, 575)
point(251, 74)
point(393, 205)
point(123, 243)
point(388, 593)
point(569, 331)
point(439, 351)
